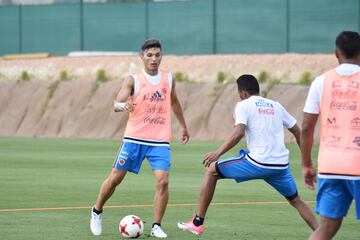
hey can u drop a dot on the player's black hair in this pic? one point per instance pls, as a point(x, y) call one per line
point(248, 83)
point(348, 43)
point(151, 43)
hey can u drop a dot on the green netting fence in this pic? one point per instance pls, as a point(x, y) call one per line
point(184, 27)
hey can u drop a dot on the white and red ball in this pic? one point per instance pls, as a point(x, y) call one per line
point(131, 226)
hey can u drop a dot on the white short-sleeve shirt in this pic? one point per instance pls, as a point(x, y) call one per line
point(312, 104)
point(265, 120)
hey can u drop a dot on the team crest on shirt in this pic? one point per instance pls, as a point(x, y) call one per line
point(265, 108)
point(263, 104)
point(121, 162)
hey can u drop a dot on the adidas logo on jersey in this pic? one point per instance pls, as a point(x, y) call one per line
point(157, 97)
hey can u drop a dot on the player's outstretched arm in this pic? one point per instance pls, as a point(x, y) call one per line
point(236, 136)
point(121, 103)
point(177, 109)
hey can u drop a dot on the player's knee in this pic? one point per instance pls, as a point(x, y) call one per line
point(331, 224)
point(294, 199)
point(211, 171)
point(162, 184)
point(115, 178)
point(114, 181)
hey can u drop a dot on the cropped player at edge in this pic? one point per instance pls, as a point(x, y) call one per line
point(148, 97)
point(262, 121)
point(335, 97)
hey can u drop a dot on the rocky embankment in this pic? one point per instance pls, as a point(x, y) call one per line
point(63, 97)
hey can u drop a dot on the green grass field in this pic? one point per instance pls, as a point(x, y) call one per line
point(48, 185)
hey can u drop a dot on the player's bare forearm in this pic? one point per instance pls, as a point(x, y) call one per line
point(125, 90)
point(180, 117)
point(121, 103)
point(295, 130)
point(234, 139)
point(177, 109)
point(306, 146)
point(307, 137)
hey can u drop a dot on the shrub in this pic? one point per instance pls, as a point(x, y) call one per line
point(181, 77)
point(101, 76)
point(263, 76)
point(52, 88)
point(221, 77)
point(273, 82)
point(306, 78)
point(64, 76)
point(24, 76)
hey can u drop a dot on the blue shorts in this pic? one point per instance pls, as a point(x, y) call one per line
point(240, 169)
point(131, 156)
point(334, 197)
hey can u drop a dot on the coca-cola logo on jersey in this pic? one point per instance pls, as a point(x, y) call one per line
point(266, 111)
point(343, 105)
point(349, 94)
point(345, 84)
point(155, 120)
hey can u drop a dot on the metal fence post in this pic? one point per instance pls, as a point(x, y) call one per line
point(147, 19)
point(81, 19)
point(20, 29)
point(287, 26)
point(214, 28)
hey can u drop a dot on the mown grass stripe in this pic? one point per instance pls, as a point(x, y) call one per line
point(142, 206)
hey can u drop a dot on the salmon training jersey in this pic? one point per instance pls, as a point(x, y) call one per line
point(150, 122)
point(339, 151)
point(335, 95)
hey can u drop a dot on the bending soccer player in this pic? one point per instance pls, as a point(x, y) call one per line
point(262, 121)
point(148, 97)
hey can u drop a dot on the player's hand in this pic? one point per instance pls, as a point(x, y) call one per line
point(129, 107)
point(121, 107)
point(309, 175)
point(210, 157)
point(184, 136)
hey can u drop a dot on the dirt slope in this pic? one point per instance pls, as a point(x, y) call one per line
point(81, 108)
point(78, 109)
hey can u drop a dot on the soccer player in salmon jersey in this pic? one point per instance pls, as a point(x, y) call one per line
point(148, 96)
point(335, 97)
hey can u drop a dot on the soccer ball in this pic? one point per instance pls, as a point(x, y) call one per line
point(131, 226)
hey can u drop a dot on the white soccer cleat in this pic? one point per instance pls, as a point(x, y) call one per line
point(156, 231)
point(95, 223)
